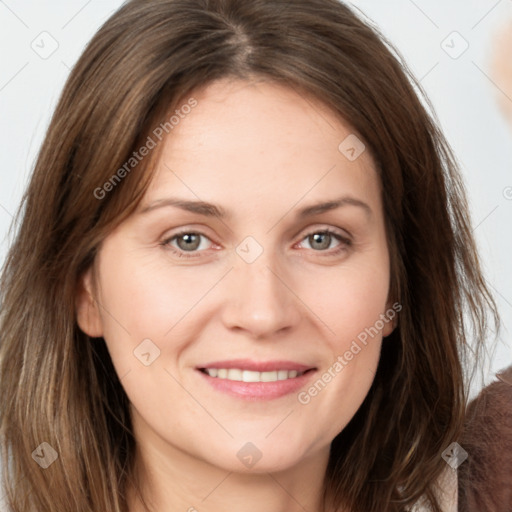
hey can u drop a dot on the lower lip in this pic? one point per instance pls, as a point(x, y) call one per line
point(258, 390)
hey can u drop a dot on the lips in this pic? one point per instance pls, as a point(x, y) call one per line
point(249, 379)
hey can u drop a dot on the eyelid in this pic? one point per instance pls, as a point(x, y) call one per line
point(343, 233)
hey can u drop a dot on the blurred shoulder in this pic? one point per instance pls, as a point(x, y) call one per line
point(485, 481)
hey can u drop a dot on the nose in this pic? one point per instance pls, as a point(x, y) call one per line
point(261, 300)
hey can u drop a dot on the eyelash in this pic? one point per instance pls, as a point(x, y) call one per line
point(345, 243)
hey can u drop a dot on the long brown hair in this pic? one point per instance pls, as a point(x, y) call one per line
point(59, 386)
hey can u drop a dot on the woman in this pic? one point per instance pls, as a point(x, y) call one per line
point(173, 338)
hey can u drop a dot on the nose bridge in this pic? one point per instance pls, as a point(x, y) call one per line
point(260, 301)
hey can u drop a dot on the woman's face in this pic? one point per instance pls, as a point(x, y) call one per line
point(249, 287)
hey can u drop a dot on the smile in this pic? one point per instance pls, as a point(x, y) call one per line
point(248, 379)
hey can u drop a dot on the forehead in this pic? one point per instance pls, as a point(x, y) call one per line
point(262, 142)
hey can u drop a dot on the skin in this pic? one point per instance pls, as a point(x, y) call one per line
point(502, 69)
point(260, 151)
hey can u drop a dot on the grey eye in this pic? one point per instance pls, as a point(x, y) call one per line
point(188, 241)
point(320, 240)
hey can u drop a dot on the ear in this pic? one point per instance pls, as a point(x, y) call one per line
point(392, 322)
point(87, 309)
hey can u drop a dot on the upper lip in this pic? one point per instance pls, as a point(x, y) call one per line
point(257, 366)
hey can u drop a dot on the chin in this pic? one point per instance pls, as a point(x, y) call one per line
point(259, 457)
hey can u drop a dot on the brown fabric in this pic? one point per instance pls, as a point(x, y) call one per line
point(485, 478)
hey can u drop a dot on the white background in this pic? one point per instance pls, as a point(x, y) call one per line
point(461, 90)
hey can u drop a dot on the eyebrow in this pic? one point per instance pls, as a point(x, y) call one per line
point(212, 210)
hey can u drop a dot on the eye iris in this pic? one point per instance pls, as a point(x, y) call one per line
point(324, 239)
point(192, 241)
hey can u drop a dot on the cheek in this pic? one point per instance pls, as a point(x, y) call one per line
point(353, 315)
point(146, 296)
point(350, 300)
point(349, 304)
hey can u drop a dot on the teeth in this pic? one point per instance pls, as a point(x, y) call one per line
point(234, 374)
point(250, 376)
point(268, 376)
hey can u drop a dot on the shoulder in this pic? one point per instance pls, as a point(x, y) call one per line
point(484, 480)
